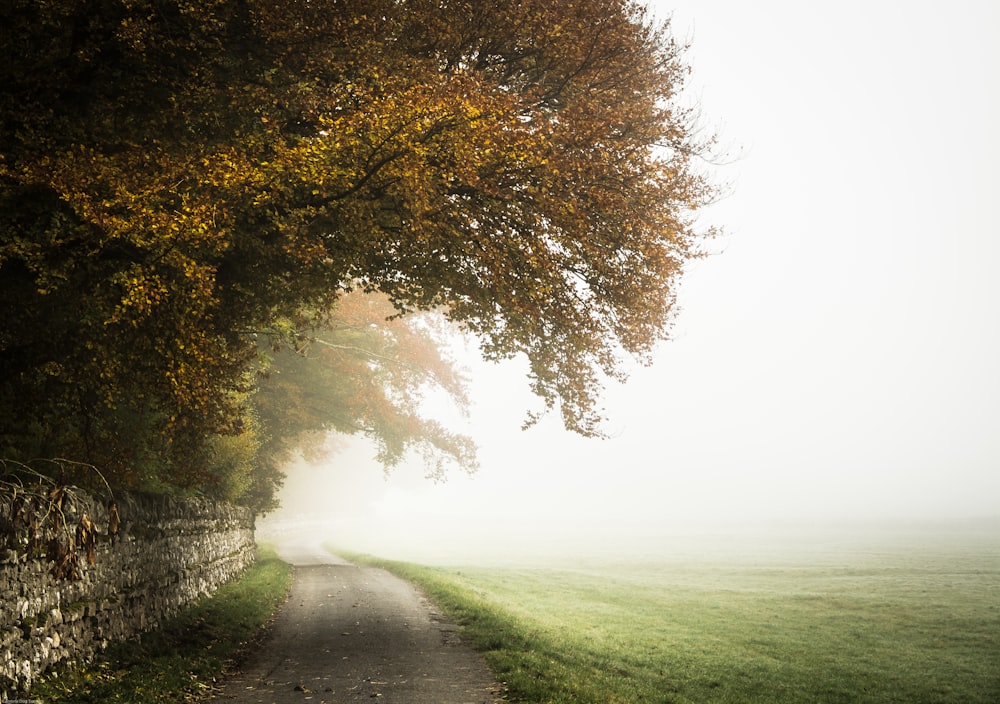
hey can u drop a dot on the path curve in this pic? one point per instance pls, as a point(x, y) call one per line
point(351, 633)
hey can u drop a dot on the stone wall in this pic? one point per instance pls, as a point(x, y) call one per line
point(69, 585)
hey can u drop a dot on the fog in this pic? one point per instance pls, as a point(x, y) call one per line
point(834, 362)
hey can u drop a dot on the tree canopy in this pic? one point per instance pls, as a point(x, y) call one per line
point(180, 181)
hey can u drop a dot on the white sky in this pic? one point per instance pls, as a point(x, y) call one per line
point(836, 360)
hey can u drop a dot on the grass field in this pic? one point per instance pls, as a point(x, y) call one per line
point(899, 622)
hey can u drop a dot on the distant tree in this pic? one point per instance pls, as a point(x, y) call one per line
point(179, 178)
point(362, 370)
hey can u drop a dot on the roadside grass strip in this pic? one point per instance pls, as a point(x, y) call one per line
point(180, 661)
point(906, 629)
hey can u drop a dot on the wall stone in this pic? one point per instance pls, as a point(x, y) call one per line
point(56, 607)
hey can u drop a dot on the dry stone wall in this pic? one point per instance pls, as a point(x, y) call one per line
point(60, 604)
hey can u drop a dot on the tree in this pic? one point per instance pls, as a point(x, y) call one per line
point(365, 370)
point(179, 178)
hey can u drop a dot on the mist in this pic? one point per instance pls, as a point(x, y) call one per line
point(833, 362)
point(668, 483)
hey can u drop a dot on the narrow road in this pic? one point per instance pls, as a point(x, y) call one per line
point(352, 633)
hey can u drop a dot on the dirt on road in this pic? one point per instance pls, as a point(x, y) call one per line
point(351, 633)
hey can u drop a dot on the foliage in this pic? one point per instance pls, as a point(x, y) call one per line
point(364, 371)
point(179, 661)
point(179, 179)
point(359, 371)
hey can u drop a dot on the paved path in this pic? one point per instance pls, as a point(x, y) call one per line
point(352, 633)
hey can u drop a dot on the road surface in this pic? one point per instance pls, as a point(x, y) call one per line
point(352, 633)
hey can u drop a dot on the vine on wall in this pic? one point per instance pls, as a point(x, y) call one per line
point(35, 520)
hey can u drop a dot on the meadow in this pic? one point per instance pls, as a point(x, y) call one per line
point(910, 620)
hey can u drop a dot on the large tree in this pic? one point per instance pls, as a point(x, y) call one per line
point(179, 178)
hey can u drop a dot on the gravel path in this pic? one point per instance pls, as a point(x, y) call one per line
point(352, 633)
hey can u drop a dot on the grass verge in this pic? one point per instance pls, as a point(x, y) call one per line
point(902, 629)
point(179, 661)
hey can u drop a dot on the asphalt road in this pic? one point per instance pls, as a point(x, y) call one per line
point(352, 633)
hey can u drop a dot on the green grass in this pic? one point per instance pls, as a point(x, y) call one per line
point(179, 661)
point(901, 625)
